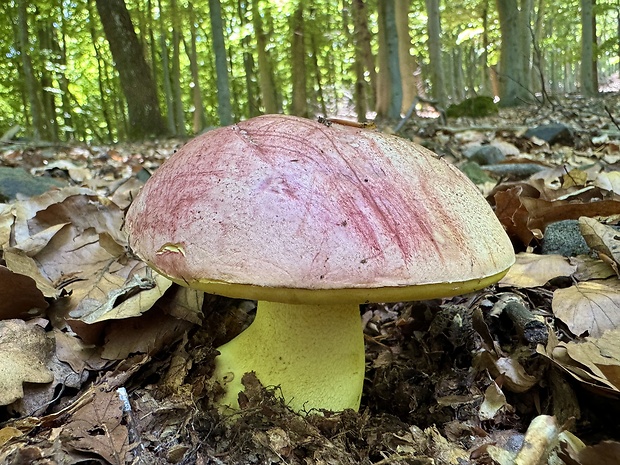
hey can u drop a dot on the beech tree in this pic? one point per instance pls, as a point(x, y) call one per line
point(134, 72)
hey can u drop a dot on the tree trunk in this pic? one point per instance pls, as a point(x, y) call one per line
point(135, 75)
point(511, 89)
point(396, 87)
point(525, 28)
point(248, 61)
point(383, 76)
point(485, 88)
point(224, 109)
point(265, 70)
point(199, 120)
point(299, 104)
point(166, 78)
point(30, 81)
point(434, 52)
point(408, 63)
point(588, 85)
point(177, 94)
point(363, 48)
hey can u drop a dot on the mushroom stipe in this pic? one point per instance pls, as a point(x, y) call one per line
point(312, 220)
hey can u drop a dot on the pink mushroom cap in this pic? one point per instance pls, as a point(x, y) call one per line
point(287, 209)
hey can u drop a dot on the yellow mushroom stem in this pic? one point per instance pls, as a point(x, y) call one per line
point(313, 353)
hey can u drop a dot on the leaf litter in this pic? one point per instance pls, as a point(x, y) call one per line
point(105, 360)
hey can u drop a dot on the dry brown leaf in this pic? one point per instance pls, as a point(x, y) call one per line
point(609, 181)
point(542, 212)
point(602, 238)
point(574, 178)
point(25, 350)
point(98, 428)
point(494, 401)
point(603, 453)
point(532, 270)
point(512, 214)
point(147, 334)
point(514, 376)
point(589, 268)
point(592, 306)
point(113, 298)
point(20, 296)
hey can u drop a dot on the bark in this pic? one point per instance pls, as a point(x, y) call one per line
point(265, 70)
point(486, 88)
point(135, 75)
point(383, 77)
point(525, 32)
point(167, 79)
point(224, 108)
point(177, 94)
point(438, 85)
point(408, 64)
point(248, 61)
point(30, 81)
point(363, 48)
point(101, 72)
point(199, 120)
point(511, 90)
point(299, 104)
point(588, 85)
point(396, 88)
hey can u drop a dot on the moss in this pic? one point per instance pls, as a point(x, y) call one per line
point(475, 107)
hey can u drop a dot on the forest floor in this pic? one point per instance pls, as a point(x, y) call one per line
point(104, 362)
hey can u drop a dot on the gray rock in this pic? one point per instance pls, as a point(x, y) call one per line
point(552, 133)
point(564, 238)
point(15, 181)
point(484, 154)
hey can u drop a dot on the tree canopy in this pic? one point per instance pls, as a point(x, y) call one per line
point(210, 62)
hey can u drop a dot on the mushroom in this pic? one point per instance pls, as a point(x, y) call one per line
point(312, 220)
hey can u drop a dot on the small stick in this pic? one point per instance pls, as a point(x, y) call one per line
point(345, 122)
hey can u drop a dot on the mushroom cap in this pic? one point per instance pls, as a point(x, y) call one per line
point(287, 209)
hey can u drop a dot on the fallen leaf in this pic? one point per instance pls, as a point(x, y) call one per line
point(591, 306)
point(609, 181)
point(494, 401)
point(602, 238)
point(99, 428)
point(20, 296)
point(533, 270)
point(25, 350)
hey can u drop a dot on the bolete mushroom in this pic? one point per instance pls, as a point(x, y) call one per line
point(311, 220)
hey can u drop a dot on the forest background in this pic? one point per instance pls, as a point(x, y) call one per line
point(112, 70)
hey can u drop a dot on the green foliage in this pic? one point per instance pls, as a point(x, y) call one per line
point(67, 45)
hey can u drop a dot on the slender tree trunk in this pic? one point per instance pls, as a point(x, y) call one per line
point(383, 76)
point(317, 73)
point(265, 70)
point(511, 56)
point(100, 72)
point(525, 29)
point(408, 64)
point(48, 98)
point(135, 75)
point(199, 120)
point(166, 77)
point(224, 109)
point(299, 104)
point(248, 61)
point(177, 94)
point(67, 110)
point(396, 87)
point(363, 47)
point(30, 81)
point(588, 86)
point(486, 88)
point(434, 48)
